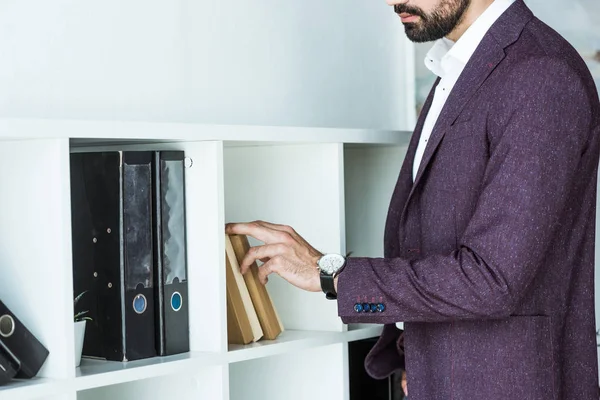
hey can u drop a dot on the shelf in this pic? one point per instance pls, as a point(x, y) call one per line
point(97, 373)
point(87, 133)
point(296, 340)
point(33, 388)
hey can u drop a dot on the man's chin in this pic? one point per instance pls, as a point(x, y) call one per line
point(414, 34)
point(417, 35)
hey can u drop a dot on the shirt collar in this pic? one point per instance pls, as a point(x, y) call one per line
point(446, 55)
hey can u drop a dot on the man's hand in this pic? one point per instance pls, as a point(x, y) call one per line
point(284, 252)
point(404, 384)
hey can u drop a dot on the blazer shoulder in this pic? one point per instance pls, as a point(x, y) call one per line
point(542, 50)
point(543, 62)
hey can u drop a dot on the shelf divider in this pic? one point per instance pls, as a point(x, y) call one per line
point(35, 245)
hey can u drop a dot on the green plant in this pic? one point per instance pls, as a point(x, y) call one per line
point(80, 316)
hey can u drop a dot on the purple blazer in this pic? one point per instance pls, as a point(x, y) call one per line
point(489, 255)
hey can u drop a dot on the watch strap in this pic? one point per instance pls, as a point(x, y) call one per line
point(328, 286)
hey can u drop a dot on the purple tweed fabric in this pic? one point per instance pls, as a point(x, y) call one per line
point(489, 255)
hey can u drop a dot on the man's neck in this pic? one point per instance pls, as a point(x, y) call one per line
point(476, 8)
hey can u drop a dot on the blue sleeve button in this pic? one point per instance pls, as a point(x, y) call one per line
point(373, 307)
point(366, 307)
point(358, 307)
point(380, 307)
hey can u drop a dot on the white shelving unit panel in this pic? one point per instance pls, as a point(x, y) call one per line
point(294, 340)
point(192, 384)
point(98, 378)
point(315, 373)
point(36, 388)
point(98, 373)
point(35, 245)
point(333, 191)
point(86, 132)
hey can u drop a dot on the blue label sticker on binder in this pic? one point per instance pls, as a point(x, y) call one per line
point(139, 304)
point(176, 301)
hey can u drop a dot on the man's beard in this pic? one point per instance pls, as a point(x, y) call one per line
point(435, 25)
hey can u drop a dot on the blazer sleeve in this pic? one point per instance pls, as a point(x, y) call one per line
point(525, 187)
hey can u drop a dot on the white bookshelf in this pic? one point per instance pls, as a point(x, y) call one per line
point(294, 112)
point(321, 187)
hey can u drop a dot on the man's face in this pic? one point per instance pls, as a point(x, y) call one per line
point(429, 20)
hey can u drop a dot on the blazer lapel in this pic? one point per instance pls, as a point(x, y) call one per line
point(479, 67)
point(486, 58)
point(405, 181)
point(416, 137)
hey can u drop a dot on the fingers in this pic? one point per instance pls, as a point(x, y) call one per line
point(267, 251)
point(404, 383)
point(267, 233)
point(277, 227)
point(267, 269)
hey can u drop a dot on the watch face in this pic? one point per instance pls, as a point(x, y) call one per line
point(330, 263)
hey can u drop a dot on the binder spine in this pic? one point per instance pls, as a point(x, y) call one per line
point(97, 237)
point(122, 256)
point(159, 288)
point(138, 254)
point(171, 255)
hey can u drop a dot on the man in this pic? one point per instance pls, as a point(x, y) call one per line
point(489, 241)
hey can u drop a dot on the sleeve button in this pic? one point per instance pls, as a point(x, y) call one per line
point(380, 307)
point(358, 307)
point(366, 307)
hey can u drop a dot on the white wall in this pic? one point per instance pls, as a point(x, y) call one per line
point(312, 62)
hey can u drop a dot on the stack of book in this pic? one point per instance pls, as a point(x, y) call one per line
point(251, 314)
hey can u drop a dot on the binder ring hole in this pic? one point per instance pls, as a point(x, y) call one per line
point(188, 162)
point(7, 326)
point(139, 303)
point(176, 301)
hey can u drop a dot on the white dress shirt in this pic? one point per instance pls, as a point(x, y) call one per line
point(447, 60)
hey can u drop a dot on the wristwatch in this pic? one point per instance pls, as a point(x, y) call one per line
point(330, 265)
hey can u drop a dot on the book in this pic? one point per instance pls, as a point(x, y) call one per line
point(263, 304)
point(243, 326)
